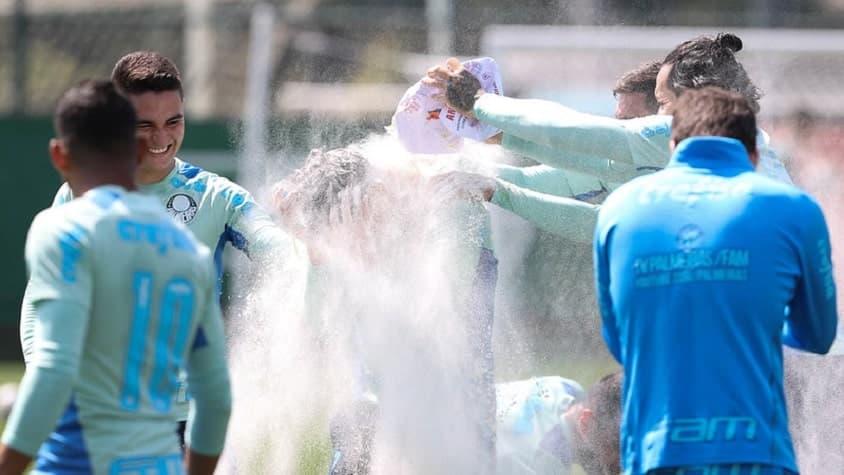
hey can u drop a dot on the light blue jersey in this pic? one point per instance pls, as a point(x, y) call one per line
point(585, 156)
point(123, 298)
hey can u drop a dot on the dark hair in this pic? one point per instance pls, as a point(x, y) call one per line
point(707, 61)
point(604, 399)
point(641, 79)
point(714, 112)
point(146, 71)
point(96, 122)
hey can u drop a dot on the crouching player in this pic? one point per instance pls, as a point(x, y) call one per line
point(545, 425)
point(123, 298)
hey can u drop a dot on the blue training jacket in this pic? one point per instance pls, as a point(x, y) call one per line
point(703, 271)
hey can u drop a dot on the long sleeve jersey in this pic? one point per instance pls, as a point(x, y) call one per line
point(703, 271)
point(610, 151)
point(123, 299)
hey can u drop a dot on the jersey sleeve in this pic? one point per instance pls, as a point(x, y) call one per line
point(577, 137)
point(59, 261)
point(253, 229)
point(601, 262)
point(208, 378)
point(565, 217)
point(599, 167)
point(812, 316)
point(27, 322)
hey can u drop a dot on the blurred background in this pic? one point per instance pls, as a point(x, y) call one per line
point(266, 82)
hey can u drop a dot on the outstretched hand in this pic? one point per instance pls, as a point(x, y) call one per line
point(463, 185)
point(458, 87)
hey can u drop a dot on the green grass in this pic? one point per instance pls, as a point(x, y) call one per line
point(10, 372)
point(314, 451)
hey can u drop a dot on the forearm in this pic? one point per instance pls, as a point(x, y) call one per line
point(554, 126)
point(198, 464)
point(566, 217)
point(48, 382)
point(599, 167)
point(12, 462)
point(43, 397)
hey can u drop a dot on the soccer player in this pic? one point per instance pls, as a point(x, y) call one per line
point(217, 211)
point(703, 270)
point(634, 92)
point(609, 149)
point(123, 298)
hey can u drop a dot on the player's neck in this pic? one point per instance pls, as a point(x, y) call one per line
point(153, 176)
point(81, 185)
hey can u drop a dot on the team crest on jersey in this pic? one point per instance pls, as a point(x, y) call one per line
point(182, 207)
point(689, 237)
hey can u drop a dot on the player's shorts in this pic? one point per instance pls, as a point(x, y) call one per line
point(725, 469)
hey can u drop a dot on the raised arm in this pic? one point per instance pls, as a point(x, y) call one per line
point(576, 138)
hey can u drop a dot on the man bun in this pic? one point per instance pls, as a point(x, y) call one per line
point(729, 41)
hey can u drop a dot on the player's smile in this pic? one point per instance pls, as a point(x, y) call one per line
point(161, 124)
point(158, 151)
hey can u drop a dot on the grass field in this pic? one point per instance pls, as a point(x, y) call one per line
point(10, 372)
point(315, 449)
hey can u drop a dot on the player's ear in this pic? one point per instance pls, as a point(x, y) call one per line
point(58, 154)
point(584, 421)
point(672, 145)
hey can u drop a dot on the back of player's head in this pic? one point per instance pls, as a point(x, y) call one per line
point(641, 79)
point(708, 61)
point(96, 123)
point(604, 399)
point(146, 71)
point(714, 112)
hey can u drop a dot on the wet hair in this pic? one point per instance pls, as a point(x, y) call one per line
point(146, 71)
point(708, 61)
point(318, 184)
point(96, 122)
point(714, 112)
point(641, 79)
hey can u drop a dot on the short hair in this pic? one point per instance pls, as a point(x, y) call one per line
point(318, 184)
point(96, 122)
point(708, 61)
point(604, 399)
point(146, 71)
point(714, 112)
point(641, 79)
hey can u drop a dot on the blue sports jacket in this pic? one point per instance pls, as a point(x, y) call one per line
point(703, 271)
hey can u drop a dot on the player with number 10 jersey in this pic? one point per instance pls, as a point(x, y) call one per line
point(146, 294)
